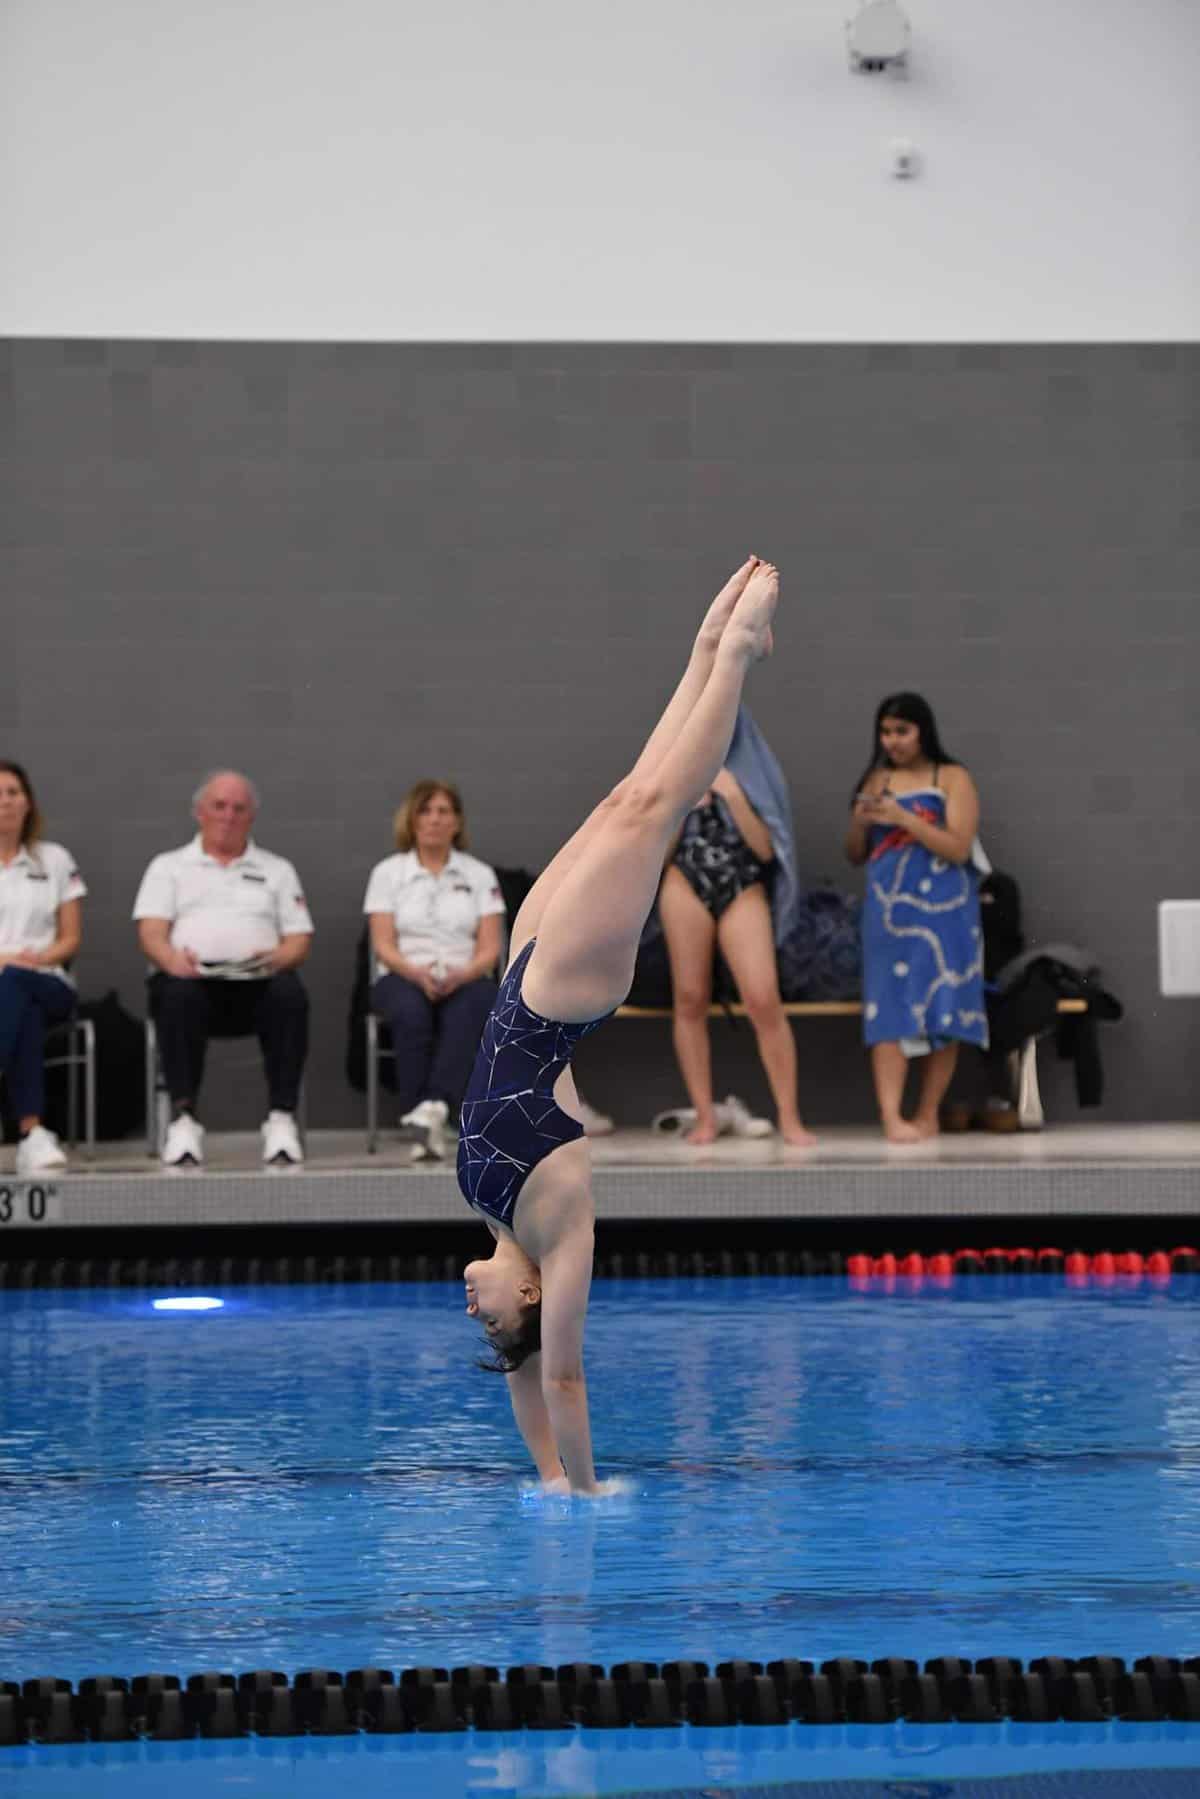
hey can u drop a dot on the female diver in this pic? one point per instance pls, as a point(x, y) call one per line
point(523, 1160)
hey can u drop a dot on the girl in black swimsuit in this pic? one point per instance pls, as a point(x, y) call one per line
point(714, 897)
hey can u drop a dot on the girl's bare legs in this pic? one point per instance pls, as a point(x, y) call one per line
point(748, 945)
point(677, 710)
point(691, 938)
point(936, 1076)
point(889, 1065)
point(588, 934)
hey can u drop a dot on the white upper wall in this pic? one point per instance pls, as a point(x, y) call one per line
point(636, 169)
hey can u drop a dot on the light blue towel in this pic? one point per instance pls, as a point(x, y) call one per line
point(752, 763)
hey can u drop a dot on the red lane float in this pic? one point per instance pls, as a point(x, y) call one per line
point(1105, 1268)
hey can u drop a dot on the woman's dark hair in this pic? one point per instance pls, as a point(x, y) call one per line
point(527, 1340)
point(915, 710)
point(31, 830)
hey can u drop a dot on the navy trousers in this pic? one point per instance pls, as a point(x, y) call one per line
point(189, 1012)
point(435, 1041)
point(30, 1002)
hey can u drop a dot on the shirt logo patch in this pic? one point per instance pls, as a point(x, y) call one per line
point(247, 876)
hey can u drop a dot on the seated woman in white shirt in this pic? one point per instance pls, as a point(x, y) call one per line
point(435, 923)
point(40, 931)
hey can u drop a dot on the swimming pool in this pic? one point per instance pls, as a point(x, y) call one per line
point(318, 1477)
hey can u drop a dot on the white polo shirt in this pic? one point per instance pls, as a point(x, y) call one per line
point(224, 911)
point(436, 916)
point(33, 886)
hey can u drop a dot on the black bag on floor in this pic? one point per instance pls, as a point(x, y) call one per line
point(821, 957)
point(1000, 917)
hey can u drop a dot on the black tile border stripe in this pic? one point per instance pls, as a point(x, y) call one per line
point(1019, 1266)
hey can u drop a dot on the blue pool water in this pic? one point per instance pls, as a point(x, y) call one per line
point(1003, 1761)
point(321, 1477)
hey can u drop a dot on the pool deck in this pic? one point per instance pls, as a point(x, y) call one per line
point(1095, 1170)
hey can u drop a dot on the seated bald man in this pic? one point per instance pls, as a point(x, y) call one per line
point(226, 926)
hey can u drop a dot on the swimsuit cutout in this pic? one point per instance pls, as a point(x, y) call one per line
point(510, 1121)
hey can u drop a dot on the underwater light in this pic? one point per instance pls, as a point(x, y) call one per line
point(188, 1303)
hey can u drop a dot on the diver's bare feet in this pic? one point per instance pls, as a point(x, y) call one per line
point(719, 613)
point(749, 630)
point(898, 1130)
point(926, 1127)
point(796, 1137)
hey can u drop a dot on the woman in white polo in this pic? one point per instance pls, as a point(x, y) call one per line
point(435, 921)
point(41, 925)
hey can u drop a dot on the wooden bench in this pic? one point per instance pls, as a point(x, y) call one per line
point(852, 1008)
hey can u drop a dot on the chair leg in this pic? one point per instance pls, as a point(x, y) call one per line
point(71, 1061)
point(89, 1089)
point(152, 1138)
point(372, 1027)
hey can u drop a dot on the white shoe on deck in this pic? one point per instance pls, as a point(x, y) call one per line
point(429, 1120)
point(39, 1153)
point(735, 1118)
point(281, 1139)
point(184, 1141)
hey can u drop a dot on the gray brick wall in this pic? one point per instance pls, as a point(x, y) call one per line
point(345, 566)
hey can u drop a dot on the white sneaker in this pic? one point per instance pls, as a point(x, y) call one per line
point(596, 1124)
point(735, 1117)
point(184, 1141)
point(429, 1120)
point(674, 1122)
point(39, 1152)
point(281, 1139)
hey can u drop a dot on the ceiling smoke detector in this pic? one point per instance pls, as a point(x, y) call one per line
point(877, 38)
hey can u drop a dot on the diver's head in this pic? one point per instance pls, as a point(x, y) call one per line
point(504, 1293)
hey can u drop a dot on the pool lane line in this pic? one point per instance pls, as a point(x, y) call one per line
point(320, 1702)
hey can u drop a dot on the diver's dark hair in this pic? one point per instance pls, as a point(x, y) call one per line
point(508, 1355)
point(916, 710)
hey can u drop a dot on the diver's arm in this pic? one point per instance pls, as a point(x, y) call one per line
point(566, 1283)
point(533, 1420)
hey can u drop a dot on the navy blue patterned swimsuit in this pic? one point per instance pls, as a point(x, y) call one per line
point(510, 1121)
